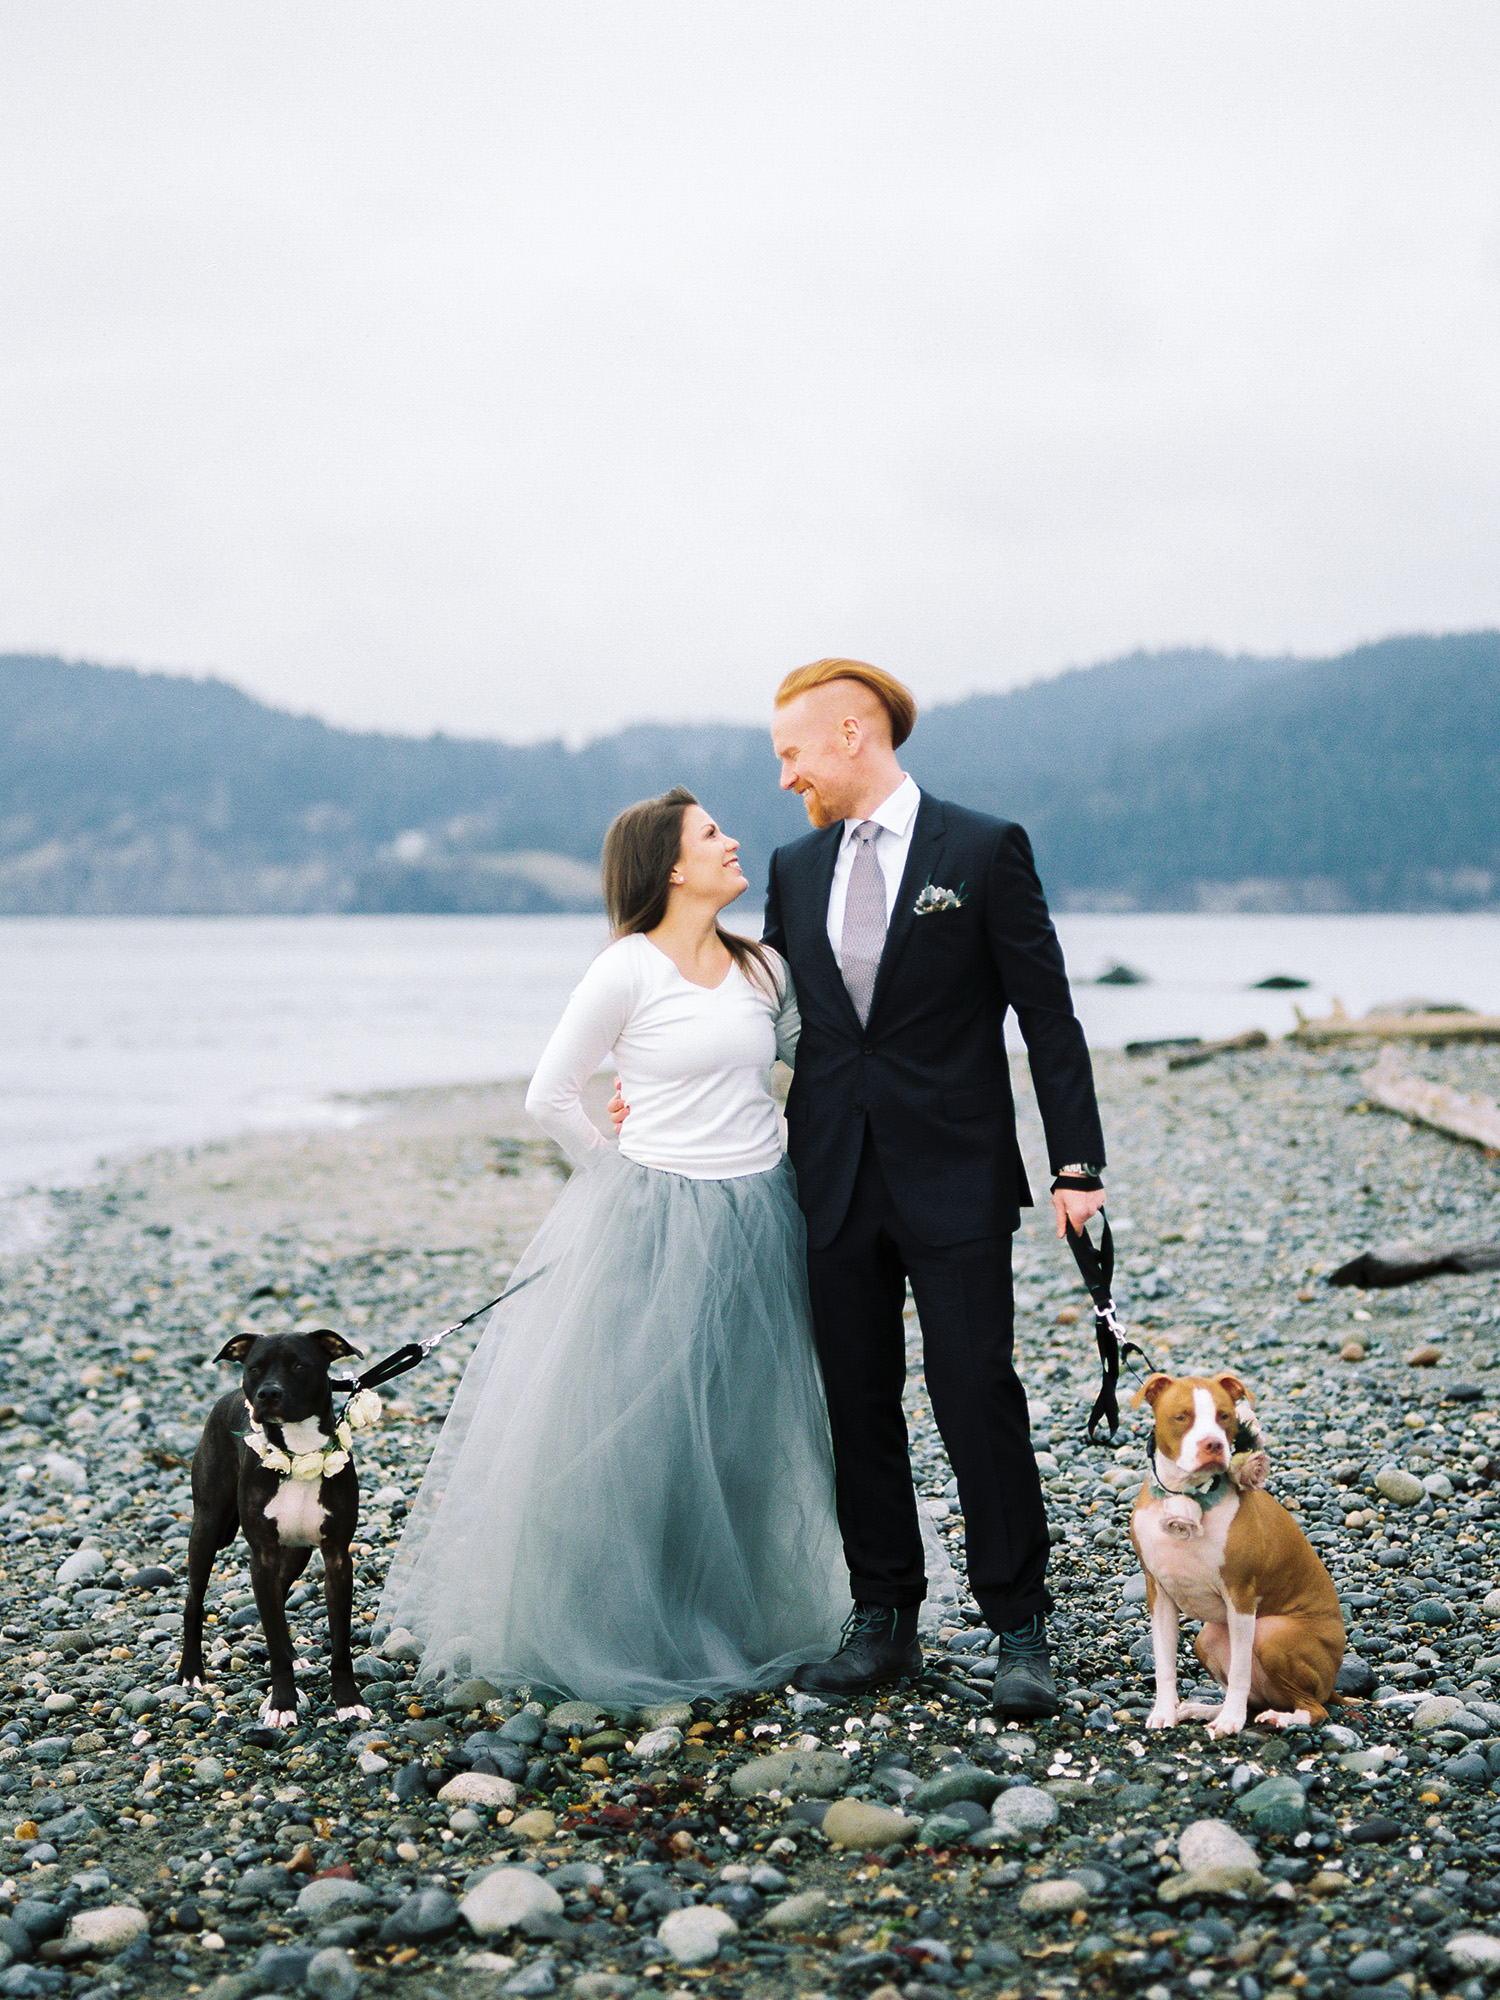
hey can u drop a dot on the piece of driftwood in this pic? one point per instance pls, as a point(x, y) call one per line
point(1253, 1038)
point(1163, 1042)
point(1447, 1026)
point(1475, 1119)
point(1404, 1263)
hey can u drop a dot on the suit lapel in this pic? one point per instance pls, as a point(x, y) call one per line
point(817, 881)
point(923, 857)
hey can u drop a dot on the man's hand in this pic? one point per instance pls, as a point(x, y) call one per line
point(619, 1111)
point(1070, 1205)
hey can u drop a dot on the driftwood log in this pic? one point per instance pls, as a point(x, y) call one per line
point(1202, 1052)
point(1445, 1026)
point(1475, 1119)
point(1404, 1263)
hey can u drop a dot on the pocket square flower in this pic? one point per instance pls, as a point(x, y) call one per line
point(933, 898)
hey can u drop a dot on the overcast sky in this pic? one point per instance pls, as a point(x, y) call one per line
point(515, 369)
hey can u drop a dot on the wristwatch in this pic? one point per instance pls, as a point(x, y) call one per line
point(1085, 1169)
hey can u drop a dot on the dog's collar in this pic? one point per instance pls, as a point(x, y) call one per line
point(307, 1466)
point(1217, 1489)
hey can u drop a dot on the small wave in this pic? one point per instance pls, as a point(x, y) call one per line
point(26, 1223)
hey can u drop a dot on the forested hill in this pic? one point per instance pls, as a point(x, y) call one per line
point(1174, 780)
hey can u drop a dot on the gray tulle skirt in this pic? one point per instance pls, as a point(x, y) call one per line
point(632, 1497)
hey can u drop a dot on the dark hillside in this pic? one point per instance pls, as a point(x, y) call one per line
point(1170, 780)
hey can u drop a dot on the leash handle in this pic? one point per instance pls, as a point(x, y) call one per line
point(1097, 1269)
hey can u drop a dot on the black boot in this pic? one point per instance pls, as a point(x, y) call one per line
point(877, 1646)
point(1024, 1687)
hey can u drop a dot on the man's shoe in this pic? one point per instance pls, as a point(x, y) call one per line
point(1024, 1687)
point(878, 1645)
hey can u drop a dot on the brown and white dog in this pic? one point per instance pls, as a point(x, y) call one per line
point(1225, 1552)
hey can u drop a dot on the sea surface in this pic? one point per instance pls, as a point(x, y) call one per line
point(122, 1034)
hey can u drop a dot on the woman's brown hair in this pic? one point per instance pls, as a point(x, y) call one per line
point(640, 851)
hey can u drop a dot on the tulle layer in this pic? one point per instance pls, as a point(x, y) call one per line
point(632, 1497)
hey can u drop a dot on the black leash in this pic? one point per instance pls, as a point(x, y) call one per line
point(1097, 1269)
point(415, 1351)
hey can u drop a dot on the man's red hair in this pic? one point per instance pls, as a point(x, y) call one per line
point(896, 699)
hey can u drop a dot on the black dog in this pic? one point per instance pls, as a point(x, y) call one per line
point(282, 1413)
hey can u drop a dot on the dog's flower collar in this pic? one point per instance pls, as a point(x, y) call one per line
point(363, 1410)
point(1204, 1496)
point(362, 1414)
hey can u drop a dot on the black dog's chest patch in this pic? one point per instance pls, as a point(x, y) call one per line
point(297, 1512)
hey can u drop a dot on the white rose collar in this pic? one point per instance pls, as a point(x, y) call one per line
point(362, 1414)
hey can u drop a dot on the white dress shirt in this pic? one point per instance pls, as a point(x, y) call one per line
point(895, 816)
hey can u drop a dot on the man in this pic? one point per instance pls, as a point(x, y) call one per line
point(910, 927)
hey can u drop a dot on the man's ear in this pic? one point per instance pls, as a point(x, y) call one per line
point(1236, 1389)
point(237, 1349)
point(1149, 1390)
point(334, 1344)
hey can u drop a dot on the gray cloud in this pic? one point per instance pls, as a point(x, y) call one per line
point(522, 368)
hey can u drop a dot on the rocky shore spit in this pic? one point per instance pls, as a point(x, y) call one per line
point(485, 1841)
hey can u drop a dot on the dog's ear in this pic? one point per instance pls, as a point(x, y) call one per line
point(334, 1344)
point(1235, 1389)
point(1149, 1390)
point(237, 1349)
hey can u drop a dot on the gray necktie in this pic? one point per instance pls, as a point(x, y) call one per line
point(864, 921)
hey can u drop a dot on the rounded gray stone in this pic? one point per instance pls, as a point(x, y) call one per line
point(1213, 1843)
point(1024, 1809)
point(1433, 1611)
point(332, 1975)
point(430, 1913)
point(803, 1774)
point(959, 1781)
point(576, 1718)
point(694, 1935)
point(1371, 1967)
point(504, 1898)
point(82, 1563)
point(1276, 1805)
point(333, 1896)
point(1053, 1898)
point(469, 1694)
point(523, 1728)
point(1404, 1489)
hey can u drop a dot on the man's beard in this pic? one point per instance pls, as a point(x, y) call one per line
point(817, 812)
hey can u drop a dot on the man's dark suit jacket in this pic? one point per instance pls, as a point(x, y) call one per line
point(929, 1073)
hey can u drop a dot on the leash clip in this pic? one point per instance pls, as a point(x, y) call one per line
point(1097, 1269)
point(415, 1351)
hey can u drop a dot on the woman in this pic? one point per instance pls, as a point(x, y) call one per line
point(632, 1498)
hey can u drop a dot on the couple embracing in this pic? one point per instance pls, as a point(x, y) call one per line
point(677, 1464)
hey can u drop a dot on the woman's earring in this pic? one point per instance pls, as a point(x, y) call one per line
point(675, 878)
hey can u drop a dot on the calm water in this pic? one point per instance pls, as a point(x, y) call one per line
point(127, 1033)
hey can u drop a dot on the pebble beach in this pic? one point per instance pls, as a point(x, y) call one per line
point(474, 1841)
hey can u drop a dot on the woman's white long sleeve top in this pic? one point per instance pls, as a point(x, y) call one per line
point(695, 1063)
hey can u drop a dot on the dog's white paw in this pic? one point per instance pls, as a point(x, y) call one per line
point(357, 1714)
point(1286, 1718)
point(1162, 1718)
point(277, 1718)
point(1227, 1723)
point(1199, 1711)
point(302, 1666)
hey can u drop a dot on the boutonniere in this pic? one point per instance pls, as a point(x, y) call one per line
point(933, 898)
